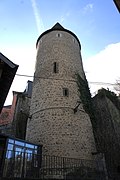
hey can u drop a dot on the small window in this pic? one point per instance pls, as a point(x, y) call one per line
point(11, 141)
point(74, 40)
point(55, 67)
point(58, 35)
point(65, 92)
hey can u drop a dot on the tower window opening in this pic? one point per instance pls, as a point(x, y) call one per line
point(55, 67)
point(59, 35)
point(65, 92)
point(74, 40)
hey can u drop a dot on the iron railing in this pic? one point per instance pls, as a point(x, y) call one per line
point(35, 166)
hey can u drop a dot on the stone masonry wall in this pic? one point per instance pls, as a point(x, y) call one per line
point(115, 118)
point(52, 120)
point(64, 50)
point(107, 130)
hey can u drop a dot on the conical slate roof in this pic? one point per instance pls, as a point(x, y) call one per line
point(58, 27)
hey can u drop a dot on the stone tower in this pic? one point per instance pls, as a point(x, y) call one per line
point(53, 122)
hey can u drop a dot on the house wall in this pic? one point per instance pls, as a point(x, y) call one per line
point(13, 119)
point(21, 115)
point(7, 113)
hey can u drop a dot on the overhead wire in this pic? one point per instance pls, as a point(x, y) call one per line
point(96, 83)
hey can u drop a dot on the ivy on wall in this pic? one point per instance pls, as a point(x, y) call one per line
point(84, 95)
point(99, 113)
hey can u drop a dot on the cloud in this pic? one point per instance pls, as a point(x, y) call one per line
point(104, 67)
point(88, 8)
point(25, 57)
point(38, 19)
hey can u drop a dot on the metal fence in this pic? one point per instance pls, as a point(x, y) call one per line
point(28, 165)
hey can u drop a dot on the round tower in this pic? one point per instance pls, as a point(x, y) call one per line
point(53, 121)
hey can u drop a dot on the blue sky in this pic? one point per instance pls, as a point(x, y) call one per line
point(96, 23)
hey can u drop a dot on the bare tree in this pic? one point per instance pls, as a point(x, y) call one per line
point(117, 87)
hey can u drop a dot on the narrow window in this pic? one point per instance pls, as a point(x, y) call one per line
point(58, 35)
point(74, 40)
point(65, 92)
point(55, 67)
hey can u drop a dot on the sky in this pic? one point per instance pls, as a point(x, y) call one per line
point(96, 23)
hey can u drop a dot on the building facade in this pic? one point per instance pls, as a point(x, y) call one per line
point(21, 112)
point(13, 118)
point(53, 121)
point(6, 117)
